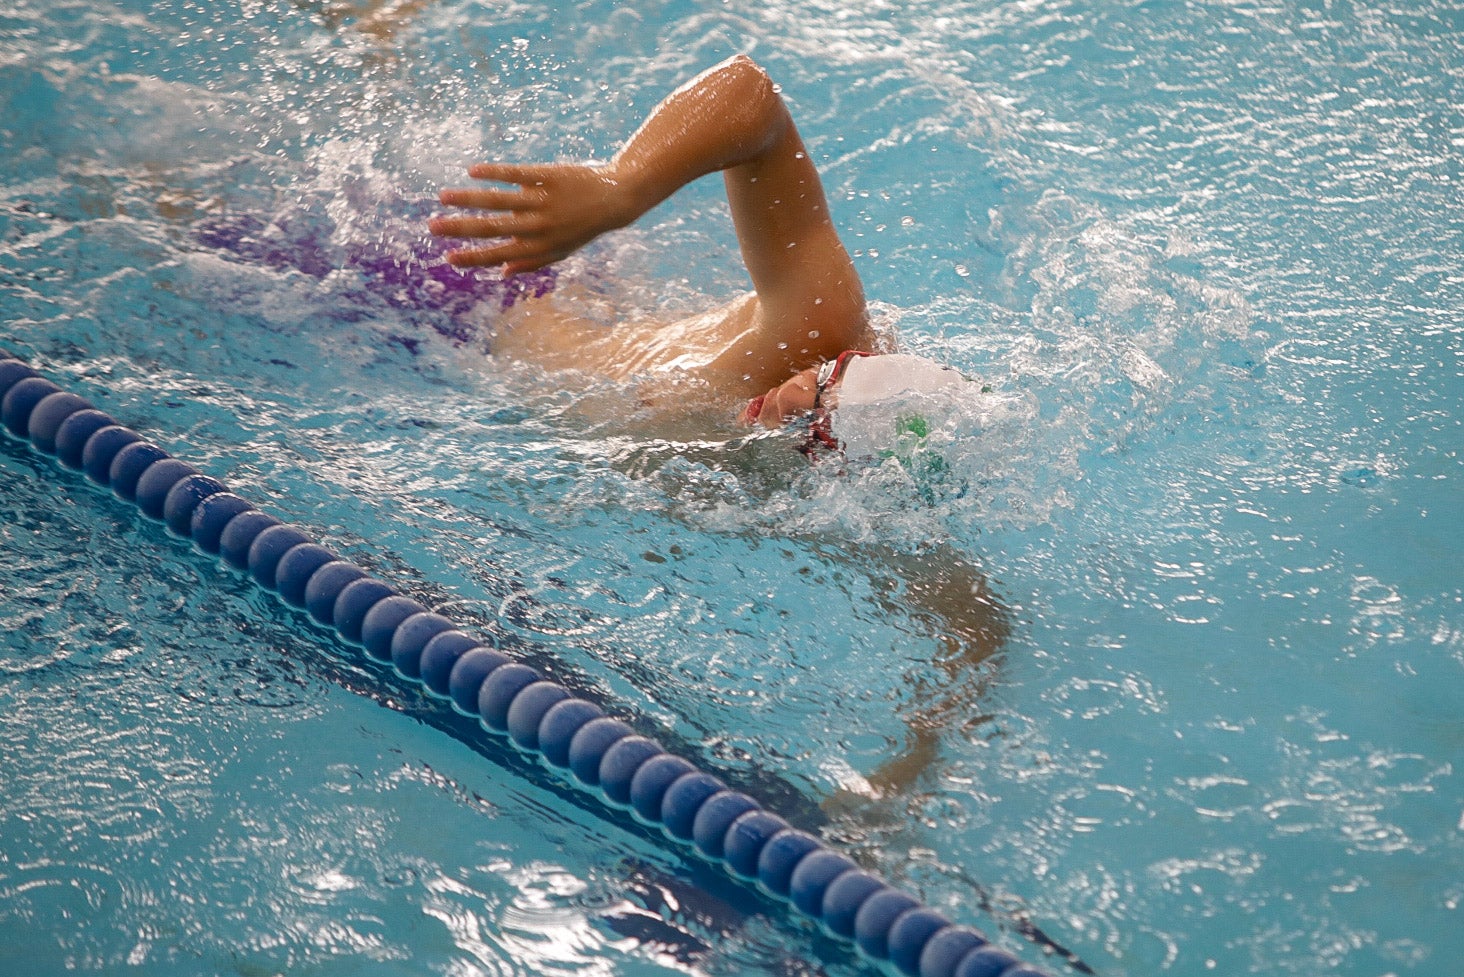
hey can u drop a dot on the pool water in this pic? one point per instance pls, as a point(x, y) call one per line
point(1209, 261)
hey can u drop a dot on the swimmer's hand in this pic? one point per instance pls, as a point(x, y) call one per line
point(556, 209)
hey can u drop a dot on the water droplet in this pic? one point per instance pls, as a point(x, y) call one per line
point(782, 345)
point(963, 271)
point(798, 156)
point(818, 301)
point(907, 221)
point(813, 334)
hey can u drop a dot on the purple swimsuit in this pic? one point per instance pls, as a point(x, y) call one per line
point(406, 274)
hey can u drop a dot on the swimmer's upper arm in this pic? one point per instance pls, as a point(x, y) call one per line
point(810, 304)
point(807, 287)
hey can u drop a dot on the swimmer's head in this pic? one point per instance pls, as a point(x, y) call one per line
point(854, 378)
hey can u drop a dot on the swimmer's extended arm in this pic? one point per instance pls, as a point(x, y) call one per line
point(731, 119)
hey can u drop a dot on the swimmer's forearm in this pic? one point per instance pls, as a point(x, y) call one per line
point(730, 118)
point(725, 117)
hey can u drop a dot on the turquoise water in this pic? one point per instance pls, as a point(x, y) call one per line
point(1207, 257)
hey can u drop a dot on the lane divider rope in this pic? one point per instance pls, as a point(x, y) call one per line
point(590, 748)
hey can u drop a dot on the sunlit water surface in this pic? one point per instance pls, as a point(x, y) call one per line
point(1207, 260)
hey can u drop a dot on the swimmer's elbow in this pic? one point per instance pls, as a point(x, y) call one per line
point(749, 70)
point(754, 88)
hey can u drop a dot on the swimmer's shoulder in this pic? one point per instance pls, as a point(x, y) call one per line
point(758, 352)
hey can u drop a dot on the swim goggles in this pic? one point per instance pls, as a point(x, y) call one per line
point(832, 371)
point(820, 428)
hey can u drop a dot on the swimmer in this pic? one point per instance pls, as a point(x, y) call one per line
point(800, 344)
point(788, 346)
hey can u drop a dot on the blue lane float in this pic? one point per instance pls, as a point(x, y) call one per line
point(573, 735)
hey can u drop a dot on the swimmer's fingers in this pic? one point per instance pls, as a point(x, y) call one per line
point(559, 208)
point(524, 174)
point(474, 258)
point(530, 240)
point(513, 256)
point(501, 225)
point(474, 199)
point(517, 254)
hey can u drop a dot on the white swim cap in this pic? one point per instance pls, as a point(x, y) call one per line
point(870, 379)
point(882, 402)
